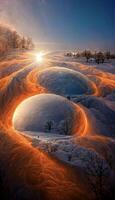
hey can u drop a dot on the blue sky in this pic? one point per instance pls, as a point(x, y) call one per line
point(65, 24)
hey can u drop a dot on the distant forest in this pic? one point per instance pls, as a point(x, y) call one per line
point(10, 39)
point(98, 57)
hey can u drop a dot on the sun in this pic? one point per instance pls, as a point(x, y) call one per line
point(39, 57)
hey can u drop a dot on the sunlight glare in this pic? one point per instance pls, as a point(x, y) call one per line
point(39, 57)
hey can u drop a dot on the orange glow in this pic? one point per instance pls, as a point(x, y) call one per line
point(82, 127)
point(40, 171)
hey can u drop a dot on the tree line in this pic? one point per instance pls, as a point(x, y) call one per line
point(10, 39)
point(98, 57)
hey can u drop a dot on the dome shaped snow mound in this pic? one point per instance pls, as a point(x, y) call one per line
point(46, 113)
point(63, 81)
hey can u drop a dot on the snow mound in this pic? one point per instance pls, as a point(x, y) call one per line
point(46, 113)
point(66, 149)
point(111, 97)
point(103, 114)
point(63, 81)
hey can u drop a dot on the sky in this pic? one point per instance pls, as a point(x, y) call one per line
point(63, 24)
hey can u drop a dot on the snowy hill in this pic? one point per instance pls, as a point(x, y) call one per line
point(63, 81)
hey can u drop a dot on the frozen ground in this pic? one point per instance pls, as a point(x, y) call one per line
point(43, 158)
point(66, 149)
point(67, 77)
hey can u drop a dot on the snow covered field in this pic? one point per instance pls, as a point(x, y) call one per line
point(57, 122)
point(69, 86)
point(65, 148)
point(98, 106)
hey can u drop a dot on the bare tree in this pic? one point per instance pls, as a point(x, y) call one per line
point(97, 172)
point(108, 55)
point(65, 127)
point(100, 57)
point(10, 39)
point(49, 126)
point(87, 54)
point(30, 44)
point(15, 39)
point(3, 46)
point(23, 41)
